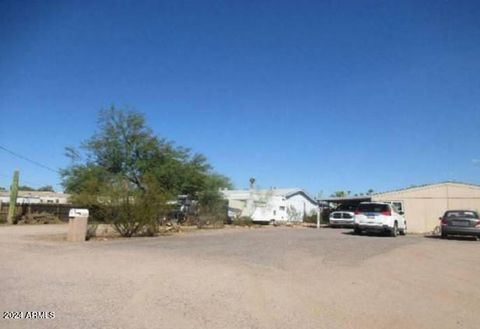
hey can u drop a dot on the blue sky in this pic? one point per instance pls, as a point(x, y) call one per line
point(323, 95)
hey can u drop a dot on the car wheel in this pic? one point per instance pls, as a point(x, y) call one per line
point(394, 231)
point(357, 231)
point(404, 231)
point(444, 235)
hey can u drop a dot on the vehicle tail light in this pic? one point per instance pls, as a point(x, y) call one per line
point(478, 224)
point(443, 221)
point(357, 212)
point(386, 213)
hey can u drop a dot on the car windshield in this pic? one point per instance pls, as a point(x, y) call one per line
point(461, 213)
point(372, 207)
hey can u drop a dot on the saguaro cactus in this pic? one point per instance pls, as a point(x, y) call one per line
point(13, 198)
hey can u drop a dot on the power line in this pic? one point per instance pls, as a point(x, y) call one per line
point(29, 160)
point(29, 182)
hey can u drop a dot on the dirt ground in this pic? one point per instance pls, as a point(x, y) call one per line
point(271, 277)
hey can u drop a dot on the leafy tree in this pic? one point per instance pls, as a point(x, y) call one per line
point(338, 194)
point(128, 173)
point(46, 188)
point(26, 188)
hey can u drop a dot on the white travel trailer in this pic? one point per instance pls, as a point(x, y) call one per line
point(270, 205)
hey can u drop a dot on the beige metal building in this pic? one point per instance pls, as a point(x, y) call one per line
point(423, 205)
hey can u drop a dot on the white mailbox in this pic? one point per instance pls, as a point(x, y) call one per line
point(78, 213)
point(77, 225)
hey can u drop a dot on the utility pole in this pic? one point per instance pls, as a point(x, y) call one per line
point(13, 198)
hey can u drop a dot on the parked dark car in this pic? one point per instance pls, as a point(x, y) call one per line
point(460, 222)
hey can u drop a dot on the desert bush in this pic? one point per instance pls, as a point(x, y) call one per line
point(139, 212)
point(325, 216)
point(38, 218)
point(91, 230)
point(310, 219)
point(213, 209)
point(242, 221)
point(209, 222)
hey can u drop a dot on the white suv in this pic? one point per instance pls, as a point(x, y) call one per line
point(379, 217)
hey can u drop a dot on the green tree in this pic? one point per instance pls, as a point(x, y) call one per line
point(211, 201)
point(26, 188)
point(127, 173)
point(46, 188)
point(338, 194)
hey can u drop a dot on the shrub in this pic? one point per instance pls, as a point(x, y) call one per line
point(213, 210)
point(310, 218)
point(209, 222)
point(39, 218)
point(242, 221)
point(325, 216)
point(91, 230)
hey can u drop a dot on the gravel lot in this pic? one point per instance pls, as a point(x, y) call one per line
point(240, 278)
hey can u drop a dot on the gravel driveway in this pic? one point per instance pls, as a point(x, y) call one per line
point(270, 277)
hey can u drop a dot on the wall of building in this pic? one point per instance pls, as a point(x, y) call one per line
point(302, 204)
point(274, 209)
point(59, 210)
point(424, 205)
point(237, 204)
point(28, 197)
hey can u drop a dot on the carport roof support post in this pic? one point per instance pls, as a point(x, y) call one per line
point(318, 216)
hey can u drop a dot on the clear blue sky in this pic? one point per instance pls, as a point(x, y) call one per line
point(323, 95)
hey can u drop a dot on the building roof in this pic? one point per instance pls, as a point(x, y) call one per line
point(422, 186)
point(36, 194)
point(348, 198)
point(283, 192)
